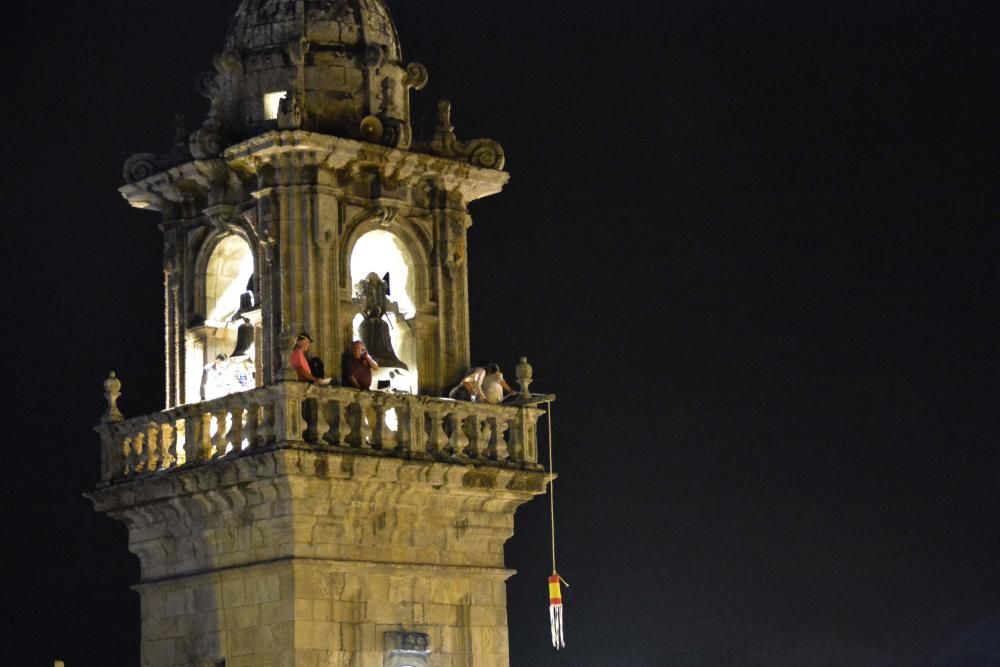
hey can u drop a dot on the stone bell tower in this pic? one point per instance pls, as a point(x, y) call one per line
point(279, 522)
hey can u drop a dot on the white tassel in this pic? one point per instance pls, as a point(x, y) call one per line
point(556, 623)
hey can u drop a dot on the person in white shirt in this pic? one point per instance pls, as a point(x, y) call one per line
point(495, 388)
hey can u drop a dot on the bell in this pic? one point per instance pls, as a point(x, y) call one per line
point(375, 336)
point(244, 340)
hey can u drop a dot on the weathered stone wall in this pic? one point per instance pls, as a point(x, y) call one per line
point(299, 557)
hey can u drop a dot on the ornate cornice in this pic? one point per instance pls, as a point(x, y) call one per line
point(336, 153)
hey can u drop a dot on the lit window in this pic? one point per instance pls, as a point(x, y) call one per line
point(271, 103)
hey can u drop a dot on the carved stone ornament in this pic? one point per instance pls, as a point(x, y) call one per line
point(228, 61)
point(112, 391)
point(416, 76)
point(206, 141)
point(477, 152)
point(415, 642)
point(384, 216)
point(524, 374)
point(220, 215)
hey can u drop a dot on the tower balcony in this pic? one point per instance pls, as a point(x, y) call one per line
point(331, 419)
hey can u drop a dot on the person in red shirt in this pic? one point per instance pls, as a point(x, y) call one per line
point(301, 364)
point(357, 367)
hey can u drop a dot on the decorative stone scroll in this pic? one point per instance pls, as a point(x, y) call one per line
point(477, 152)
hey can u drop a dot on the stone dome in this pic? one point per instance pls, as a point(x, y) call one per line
point(324, 69)
point(267, 24)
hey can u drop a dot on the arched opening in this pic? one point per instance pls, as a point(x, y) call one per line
point(381, 252)
point(231, 315)
point(227, 278)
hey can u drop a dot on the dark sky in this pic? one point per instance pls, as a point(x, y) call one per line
point(752, 246)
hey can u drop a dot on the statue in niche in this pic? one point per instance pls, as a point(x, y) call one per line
point(372, 297)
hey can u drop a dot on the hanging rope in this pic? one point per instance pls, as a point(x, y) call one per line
point(555, 592)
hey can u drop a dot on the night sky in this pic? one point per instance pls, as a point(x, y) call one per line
point(751, 246)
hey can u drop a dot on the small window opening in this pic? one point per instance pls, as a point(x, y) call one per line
point(272, 101)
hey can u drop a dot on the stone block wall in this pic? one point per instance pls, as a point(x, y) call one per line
point(308, 557)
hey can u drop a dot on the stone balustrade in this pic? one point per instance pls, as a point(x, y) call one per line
point(337, 418)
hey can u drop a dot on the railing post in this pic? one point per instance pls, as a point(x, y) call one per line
point(266, 432)
point(288, 421)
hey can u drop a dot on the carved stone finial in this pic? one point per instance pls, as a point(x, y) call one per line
point(112, 390)
point(444, 117)
point(524, 373)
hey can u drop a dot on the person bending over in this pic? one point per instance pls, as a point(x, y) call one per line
point(471, 386)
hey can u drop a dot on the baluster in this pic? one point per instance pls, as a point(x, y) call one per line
point(199, 435)
point(153, 455)
point(475, 448)
point(486, 436)
point(407, 429)
point(309, 408)
point(381, 435)
point(128, 456)
point(363, 413)
point(218, 439)
point(234, 436)
point(168, 445)
point(437, 439)
point(498, 445)
point(515, 438)
point(265, 428)
point(529, 415)
point(322, 427)
point(182, 434)
point(343, 432)
point(458, 441)
point(139, 449)
point(251, 432)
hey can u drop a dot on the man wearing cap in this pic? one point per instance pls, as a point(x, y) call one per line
point(301, 364)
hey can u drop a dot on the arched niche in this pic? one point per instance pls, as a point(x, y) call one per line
point(225, 299)
point(227, 275)
point(382, 252)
